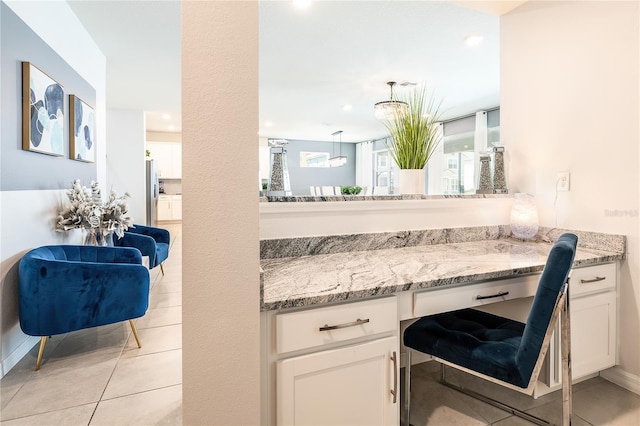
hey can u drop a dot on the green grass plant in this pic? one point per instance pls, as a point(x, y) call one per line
point(414, 133)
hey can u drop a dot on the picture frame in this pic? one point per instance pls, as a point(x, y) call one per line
point(81, 130)
point(42, 112)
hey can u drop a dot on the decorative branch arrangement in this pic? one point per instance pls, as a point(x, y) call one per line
point(87, 210)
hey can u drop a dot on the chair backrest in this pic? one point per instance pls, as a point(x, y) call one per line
point(327, 190)
point(312, 190)
point(544, 309)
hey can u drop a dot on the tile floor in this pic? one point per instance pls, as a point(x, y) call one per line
point(100, 377)
point(595, 402)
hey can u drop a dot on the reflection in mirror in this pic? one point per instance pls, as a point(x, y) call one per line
point(314, 159)
point(325, 67)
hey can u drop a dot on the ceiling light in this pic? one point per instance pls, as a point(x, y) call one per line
point(386, 110)
point(347, 107)
point(166, 116)
point(301, 4)
point(473, 40)
point(268, 124)
point(172, 127)
point(338, 160)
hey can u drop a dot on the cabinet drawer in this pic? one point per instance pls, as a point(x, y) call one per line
point(320, 326)
point(450, 299)
point(592, 279)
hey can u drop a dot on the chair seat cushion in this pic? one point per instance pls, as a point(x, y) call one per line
point(473, 339)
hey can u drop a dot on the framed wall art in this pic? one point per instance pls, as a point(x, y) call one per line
point(81, 130)
point(42, 112)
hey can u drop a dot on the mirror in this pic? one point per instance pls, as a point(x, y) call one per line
point(324, 67)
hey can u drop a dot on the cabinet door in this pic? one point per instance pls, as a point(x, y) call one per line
point(176, 207)
point(346, 386)
point(593, 339)
point(176, 160)
point(164, 208)
point(593, 333)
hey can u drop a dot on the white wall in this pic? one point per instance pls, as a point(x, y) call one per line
point(288, 220)
point(221, 289)
point(570, 102)
point(27, 218)
point(126, 159)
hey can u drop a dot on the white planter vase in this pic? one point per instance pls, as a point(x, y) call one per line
point(411, 181)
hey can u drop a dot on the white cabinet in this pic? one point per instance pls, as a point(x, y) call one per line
point(353, 385)
point(169, 207)
point(168, 156)
point(593, 308)
point(334, 365)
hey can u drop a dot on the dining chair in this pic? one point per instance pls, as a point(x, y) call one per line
point(312, 191)
point(327, 190)
point(337, 190)
point(499, 349)
point(381, 190)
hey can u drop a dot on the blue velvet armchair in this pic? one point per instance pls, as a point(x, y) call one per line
point(67, 288)
point(151, 241)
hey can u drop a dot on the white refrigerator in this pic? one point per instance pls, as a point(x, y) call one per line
point(152, 191)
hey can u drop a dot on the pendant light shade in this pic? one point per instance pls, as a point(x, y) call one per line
point(387, 110)
point(338, 160)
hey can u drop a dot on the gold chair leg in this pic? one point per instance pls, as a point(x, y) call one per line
point(43, 341)
point(135, 333)
point(162, 269)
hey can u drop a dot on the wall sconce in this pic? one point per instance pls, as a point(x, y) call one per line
point(524, 216)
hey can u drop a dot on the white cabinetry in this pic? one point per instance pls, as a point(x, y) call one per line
point(169, 158)
point(347, 386)
point(169, 207)
point(335, 365)
point(593, 317)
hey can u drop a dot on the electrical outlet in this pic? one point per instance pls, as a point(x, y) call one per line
point(563, 181)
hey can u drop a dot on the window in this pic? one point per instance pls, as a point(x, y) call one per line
point(382, 168)
point(463, 139)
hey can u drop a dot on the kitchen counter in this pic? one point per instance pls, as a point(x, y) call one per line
point(309, 280)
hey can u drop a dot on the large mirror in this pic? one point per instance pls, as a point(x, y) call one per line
point(323, 67)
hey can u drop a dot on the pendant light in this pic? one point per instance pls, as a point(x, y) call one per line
point(387, 110)
point(337, 160)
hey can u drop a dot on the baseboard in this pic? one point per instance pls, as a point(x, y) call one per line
point(14, 357)
point(622, 378)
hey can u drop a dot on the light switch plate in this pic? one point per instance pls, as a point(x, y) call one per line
point(563, 183)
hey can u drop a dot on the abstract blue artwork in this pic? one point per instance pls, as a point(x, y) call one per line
point(82, 131)
point(42, 112)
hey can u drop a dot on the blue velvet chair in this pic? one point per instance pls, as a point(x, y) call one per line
point(499, 349)
point(151, 241)
point(67, 288)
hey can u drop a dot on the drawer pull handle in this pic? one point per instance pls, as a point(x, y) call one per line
point(394, 391)
point(502, 293)
point(595, 280)
point(345, 325)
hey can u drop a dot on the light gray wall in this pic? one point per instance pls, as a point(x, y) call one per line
point(302, 178)
point(25, 170)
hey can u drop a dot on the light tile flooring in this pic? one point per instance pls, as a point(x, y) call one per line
point(595, 402)
point(99, 376)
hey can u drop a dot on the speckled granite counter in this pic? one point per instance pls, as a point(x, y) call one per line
point(335, 275)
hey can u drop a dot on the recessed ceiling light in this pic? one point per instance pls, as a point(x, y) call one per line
point(172, 127)
point(473, 40)
point(268, 124)
point(347, 107)
point(166, 116)
point(301, 4)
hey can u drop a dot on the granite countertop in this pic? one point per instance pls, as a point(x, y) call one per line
point(309, 280)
